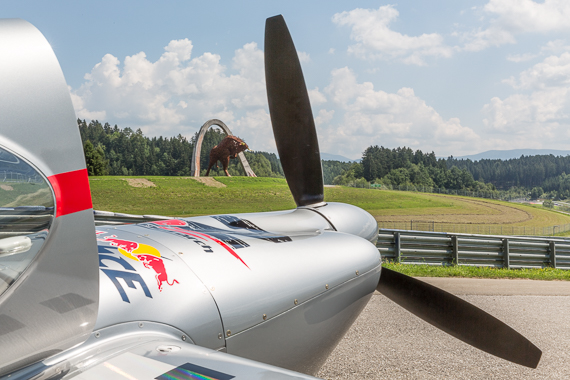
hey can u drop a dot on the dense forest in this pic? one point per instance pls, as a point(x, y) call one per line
point(405, 167)
point(115, 151)
point(547, 172)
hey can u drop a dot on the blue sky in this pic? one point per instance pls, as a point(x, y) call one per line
point(452, 77)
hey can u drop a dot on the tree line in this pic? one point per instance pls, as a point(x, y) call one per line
point(406, 167)
point(540, 174)
point(115, 151)
point(528, 176)
point(110, 150)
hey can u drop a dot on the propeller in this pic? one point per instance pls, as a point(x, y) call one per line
point(291, 115)
point(297, 144)
point(458, 318)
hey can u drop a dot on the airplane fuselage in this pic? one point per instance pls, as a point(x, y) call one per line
point(243, 283)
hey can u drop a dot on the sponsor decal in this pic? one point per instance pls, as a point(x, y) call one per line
point(203, 234)
point(128, 274)
point(191, 371)
point(148, 255)
point(183, 229)
point(246, 228)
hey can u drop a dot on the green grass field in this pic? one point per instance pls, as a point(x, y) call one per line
point(548, 274)
point(179, 196)
point(183, 196)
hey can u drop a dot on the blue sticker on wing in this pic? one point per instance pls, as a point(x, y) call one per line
point(191, 371)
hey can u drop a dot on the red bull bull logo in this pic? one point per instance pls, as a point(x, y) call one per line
point(146, 254)
point(157, 265)
point(125, 245)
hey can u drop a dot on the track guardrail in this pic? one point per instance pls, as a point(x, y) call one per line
point(441, 248)
point(438, 248)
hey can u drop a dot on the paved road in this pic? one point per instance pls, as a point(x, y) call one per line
point(387, 342)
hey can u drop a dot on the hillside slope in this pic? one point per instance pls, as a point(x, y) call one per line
point(185, 196)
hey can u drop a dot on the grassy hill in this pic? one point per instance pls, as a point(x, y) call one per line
point(185, 196)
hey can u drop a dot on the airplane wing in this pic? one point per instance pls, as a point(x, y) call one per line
point(158, 357)
point(167, 360)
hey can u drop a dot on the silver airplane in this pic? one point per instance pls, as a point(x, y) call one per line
point(244, 296)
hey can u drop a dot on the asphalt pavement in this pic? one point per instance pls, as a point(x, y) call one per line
point(387, 342)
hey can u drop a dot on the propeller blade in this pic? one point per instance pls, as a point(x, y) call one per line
point(291, 115)
point(458, 318)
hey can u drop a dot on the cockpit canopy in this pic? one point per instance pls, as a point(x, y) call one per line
point(26, 214)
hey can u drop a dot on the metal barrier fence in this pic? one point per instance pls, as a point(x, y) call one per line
point(437, 248)
point(467, 228)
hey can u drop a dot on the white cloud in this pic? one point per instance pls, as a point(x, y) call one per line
point(389, 119)
point(316, 97)
point(375, 40)
point(556, 46)
point(481, 39)
point(539, 111)
point(79, 106)
point(521, 57)
point(324, 116)
point(255, 127)
point(551, 47)
point(553, 72)
point(303, 57)
point(178, 93)
point(512, 17)
point(531, 16)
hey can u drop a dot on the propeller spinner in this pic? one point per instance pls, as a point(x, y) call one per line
point(297, 144)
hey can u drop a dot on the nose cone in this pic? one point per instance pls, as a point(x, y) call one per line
point(351, 220)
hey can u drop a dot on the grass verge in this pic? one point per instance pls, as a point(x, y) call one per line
point(183, 196)
point(548, 274)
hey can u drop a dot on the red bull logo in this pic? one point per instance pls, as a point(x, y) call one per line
point(157, 265)
point(125, 245)
point(144, 253)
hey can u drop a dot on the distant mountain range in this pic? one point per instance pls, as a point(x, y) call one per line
point(336, 157)
point(513, 153)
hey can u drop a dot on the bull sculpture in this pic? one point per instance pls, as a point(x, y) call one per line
point(228, 148)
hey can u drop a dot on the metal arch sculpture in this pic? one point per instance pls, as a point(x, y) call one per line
point(195, 170)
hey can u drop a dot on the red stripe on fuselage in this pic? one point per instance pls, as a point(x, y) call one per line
point(72, 193)
point(203, 236)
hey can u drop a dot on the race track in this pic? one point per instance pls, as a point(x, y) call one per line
point(387, 342)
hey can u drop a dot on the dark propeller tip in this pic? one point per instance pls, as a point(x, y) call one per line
point(291, 115)
point(458, 318)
